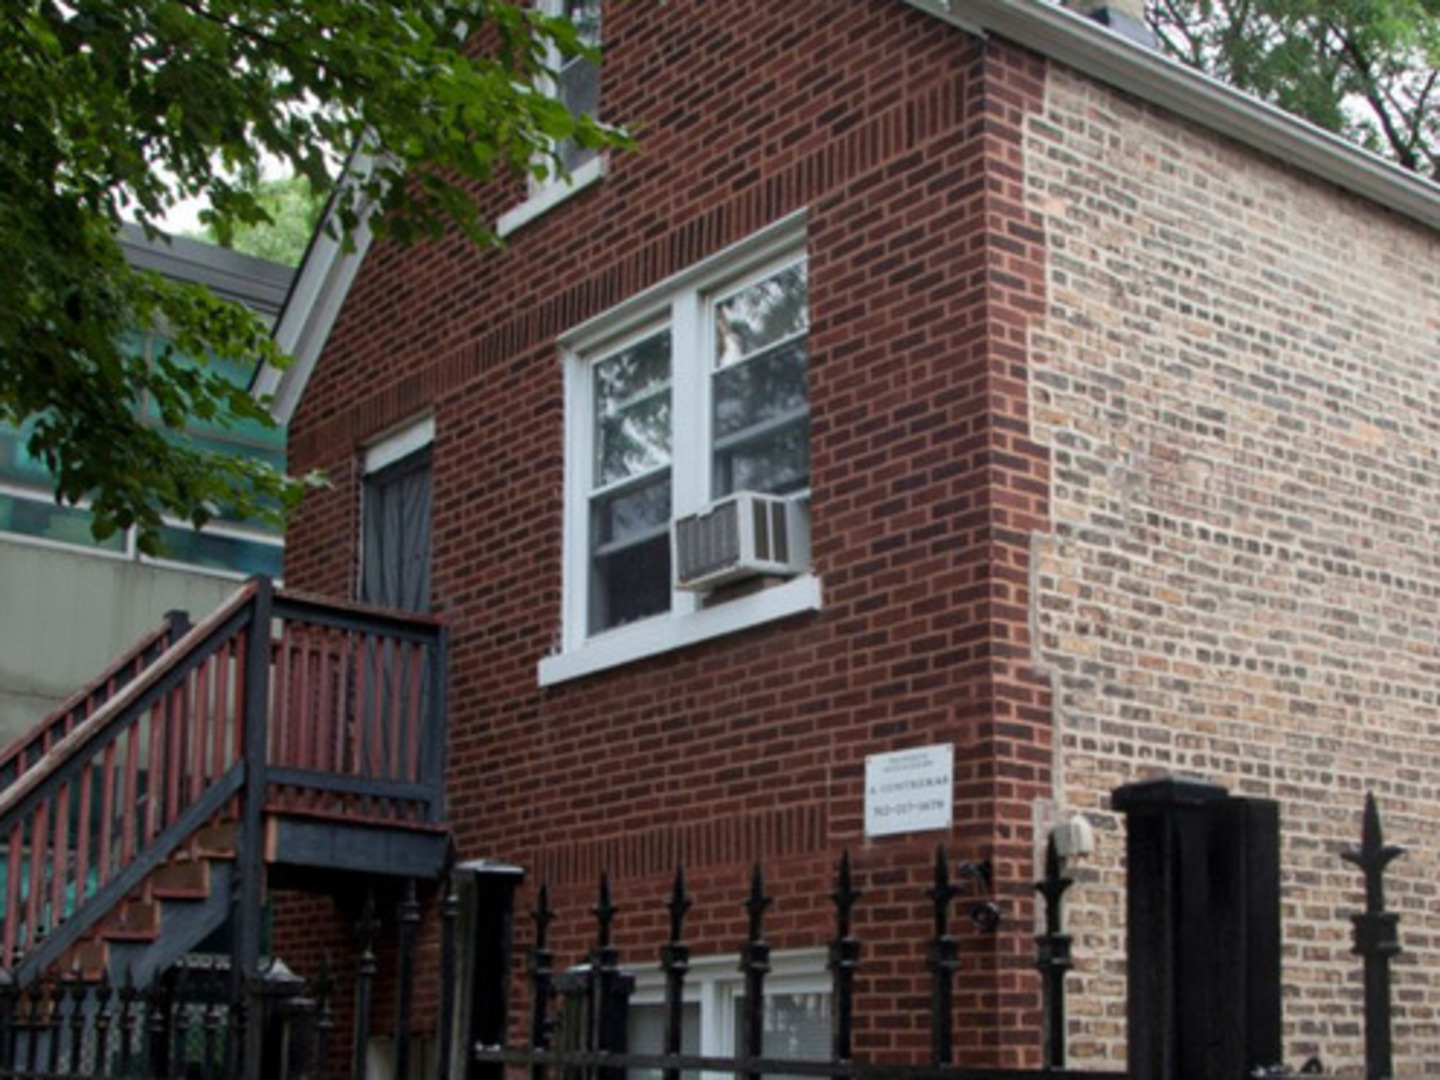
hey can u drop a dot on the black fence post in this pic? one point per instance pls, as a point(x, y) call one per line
point(449, 915)
point(844, 960)
point(1377, 939)
point(1203, 883)
point(9, 995)
point(1052, 955)
point(409, 922)
point(755, 964)
point(943, 961)
point(491, 886)
point(542, 977)
point(365, 966)
point(675, 962)
point(609, 987)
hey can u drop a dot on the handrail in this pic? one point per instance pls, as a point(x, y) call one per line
point(63, 718)
point(56, 757)
point(272, 703)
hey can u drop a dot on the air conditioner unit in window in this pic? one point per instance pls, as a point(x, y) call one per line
point(741, 536)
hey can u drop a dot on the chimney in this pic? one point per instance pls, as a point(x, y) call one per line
point(1125, 17)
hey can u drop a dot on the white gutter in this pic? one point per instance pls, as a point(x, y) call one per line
point(1088, 47)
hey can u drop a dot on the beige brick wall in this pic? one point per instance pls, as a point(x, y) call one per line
point(1237, 384)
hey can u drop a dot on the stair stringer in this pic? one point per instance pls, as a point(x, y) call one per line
point(184, 923)
point(98, 905)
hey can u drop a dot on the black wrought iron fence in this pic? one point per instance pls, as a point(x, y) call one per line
point(190, 1025)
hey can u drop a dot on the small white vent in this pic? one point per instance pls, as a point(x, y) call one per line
point(740, 536)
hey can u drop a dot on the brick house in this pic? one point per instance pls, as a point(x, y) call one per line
point(1106, 395)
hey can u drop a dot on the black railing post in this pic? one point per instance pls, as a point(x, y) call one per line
point(609, 1000)
point(79, 991)
point(1052, 955)
point(409, 920)
point(542, 977)
point(1377, 939)
point(943, 961)
point(449, 915)
point(103, 1019)
point(433, 738)
point(9, 996)
point(675, 962)
point(324, 1019)
point(246, 956)
point(844, 961)
point(492, 888)
point(755, 964)
point(367, 928)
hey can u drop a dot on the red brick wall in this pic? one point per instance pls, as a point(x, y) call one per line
point(901, 139)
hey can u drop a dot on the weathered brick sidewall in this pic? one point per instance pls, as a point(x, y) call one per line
point(1237, 383)
point(901, 138)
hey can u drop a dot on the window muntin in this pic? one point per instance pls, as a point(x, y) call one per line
point(706, 398)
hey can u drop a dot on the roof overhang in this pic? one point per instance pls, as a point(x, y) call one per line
point(1094, 50)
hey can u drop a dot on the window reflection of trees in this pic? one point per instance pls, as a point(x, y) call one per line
point(632, 410)
point(762, 314)
point(760, 402)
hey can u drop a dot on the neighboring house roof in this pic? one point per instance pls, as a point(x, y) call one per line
point(1053, 31)
point(259, 284)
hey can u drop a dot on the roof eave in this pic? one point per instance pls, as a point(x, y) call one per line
point(1094, 50)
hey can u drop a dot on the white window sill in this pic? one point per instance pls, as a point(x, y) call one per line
point(549, 195)
point(665, 634)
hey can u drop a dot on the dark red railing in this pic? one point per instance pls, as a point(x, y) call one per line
point(26, 751)
point(356, 727)
point(343, 715)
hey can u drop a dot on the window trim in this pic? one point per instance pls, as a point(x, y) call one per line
point(687, 622)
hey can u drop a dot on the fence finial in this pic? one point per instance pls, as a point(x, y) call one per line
point(1052, 954)
point(1377, 938)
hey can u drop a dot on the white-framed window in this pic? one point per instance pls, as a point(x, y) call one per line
point(692, 391)
point(575, 82)
point(796, 1017)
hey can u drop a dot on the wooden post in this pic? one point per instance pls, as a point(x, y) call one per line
point(250, 857)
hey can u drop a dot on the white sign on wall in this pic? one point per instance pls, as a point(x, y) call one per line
point(909, 790)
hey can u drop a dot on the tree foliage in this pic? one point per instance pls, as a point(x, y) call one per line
point(120, 108)
point(1365, 69)
point(292, 208)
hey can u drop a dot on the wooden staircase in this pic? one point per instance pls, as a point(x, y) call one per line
point(281, 734)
